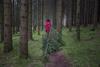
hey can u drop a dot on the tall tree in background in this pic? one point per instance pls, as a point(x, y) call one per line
point(17, 15)
point(86, 12)
point(35, 16)
point(59, 15)
point(7, 26)
point(24, 29)
point(45, 8)
point(73, 12)
point(30, 20)
point(82, 14)
point(1, 21)
point(78, 19)
point(54, 14)
point(95, 14)
point(42, 3)
point(39, 15)
point(13, 15)
point(69, 15)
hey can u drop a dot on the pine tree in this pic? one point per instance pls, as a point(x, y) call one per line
point(30, 20)
point(24, 29)
point(1, 21)
point(78, 19)
point(7, 26)
point(59, 15)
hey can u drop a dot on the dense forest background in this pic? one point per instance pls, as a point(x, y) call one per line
point(74, 35)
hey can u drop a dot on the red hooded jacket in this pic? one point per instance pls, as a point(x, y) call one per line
point(47, 25)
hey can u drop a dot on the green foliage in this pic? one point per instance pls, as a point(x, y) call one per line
point(52, 42)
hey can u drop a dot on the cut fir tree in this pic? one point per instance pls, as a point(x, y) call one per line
point(51, 44)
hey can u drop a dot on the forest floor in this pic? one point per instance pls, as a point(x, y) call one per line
point(85, 53)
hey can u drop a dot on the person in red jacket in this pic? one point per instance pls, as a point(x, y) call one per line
point(47, 26)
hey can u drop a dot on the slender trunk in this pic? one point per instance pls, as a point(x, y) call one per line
point(78, 20)
point(46, 9)
point(39, 15)
point(85, 13)
point(30, 20)
point(54, 24)
point(13, 16)
point(59, 15)
point(95, 14)
point(17, 16)
point(35, 15)
point(82, 12)
point(70, 15)
point(24, 29)
point(7, 26)
point(2, 22)
point(42, 4)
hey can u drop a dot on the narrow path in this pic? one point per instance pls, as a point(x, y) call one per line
point(58, 60)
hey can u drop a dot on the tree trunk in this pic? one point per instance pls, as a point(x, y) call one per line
point(45, 8)
point(59, 15)
point(78, 19)
point(39, 15)
point(17, 16)
point(35, 15)
point(30, 20)
point(54, 24)
point(7, 26)
point(1, 22)
point(14, 14)
point(74, 12)
point(86, 12)
point(95, 14)
point(82, 4)
point(42, 4)
point(70, 15)
point(24, 29)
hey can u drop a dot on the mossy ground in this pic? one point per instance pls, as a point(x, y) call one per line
point(85, 53)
